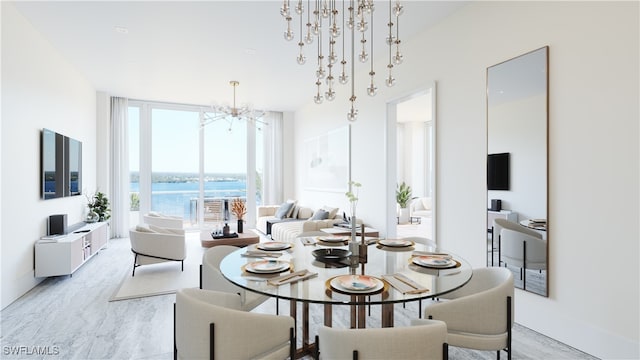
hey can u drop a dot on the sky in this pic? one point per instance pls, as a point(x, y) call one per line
point(175, 143)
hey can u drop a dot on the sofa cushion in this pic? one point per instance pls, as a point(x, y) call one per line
point(320, 214)
point(426, 203)
point(331, 210)
point(283, 210)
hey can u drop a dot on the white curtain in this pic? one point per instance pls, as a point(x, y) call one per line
point(119, 167)
point(273, 173)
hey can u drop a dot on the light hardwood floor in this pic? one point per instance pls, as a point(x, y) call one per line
point(71, 318)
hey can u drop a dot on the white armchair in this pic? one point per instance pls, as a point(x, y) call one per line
point(164, 221)
point(212, 279)
point(153, 245)
point(210, 325)
point(427, 340)
point(479, 315)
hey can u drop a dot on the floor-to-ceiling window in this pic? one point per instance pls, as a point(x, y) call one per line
point(180, 168)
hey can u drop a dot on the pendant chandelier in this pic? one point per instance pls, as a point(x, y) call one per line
point(325, 23)
point(232, 113)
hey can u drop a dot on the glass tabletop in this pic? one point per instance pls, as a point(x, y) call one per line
point(330, 286)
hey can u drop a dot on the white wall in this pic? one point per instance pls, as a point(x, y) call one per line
point(39, 89)
point(593, 153)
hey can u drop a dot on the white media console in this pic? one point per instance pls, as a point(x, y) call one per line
point(62, 255)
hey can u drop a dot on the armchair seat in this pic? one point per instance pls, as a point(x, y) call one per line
point(151, 245)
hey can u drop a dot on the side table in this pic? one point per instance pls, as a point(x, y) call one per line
point(245, 238)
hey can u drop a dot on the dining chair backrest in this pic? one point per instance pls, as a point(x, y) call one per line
point(210, 325)
point(427, 341)
point(514, 244)
point(212, 278)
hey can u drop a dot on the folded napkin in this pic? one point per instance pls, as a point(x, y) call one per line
point(292, 277)
point(404, 284)
point(260, 253)
point(429, 253)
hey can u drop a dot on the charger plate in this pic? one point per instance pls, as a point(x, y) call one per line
point(267, 266)
point(356, 284)
point(273, 246)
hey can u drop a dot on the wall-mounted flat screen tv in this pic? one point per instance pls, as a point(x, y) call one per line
point(498, 171)
point(61, 164)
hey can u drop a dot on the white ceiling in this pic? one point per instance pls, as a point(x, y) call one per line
point(186, 52)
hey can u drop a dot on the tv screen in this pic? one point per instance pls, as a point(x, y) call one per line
point(61, 164)
point(498, 171)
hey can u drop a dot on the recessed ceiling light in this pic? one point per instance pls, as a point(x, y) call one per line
point(121, 29)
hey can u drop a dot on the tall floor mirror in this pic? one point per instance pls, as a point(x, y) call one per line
point(517, 121)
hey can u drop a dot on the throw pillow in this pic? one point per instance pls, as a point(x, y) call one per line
point(290, 213)
point(296, 210)
point(283, 210)
point(332, 211)
point(320, 214)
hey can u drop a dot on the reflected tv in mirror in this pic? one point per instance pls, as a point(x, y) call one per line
point(498, 171)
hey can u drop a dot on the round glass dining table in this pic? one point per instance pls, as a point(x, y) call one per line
point(393, 265)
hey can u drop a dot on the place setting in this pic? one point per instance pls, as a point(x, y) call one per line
point(333, 240)
point(267, 267)
point(356, 284)
point(274, 246)
point(395, 245)
point(423, 260)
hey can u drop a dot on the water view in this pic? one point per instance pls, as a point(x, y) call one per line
point(177, 194)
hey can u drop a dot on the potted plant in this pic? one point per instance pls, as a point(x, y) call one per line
point(403, 195)
point(99, 205)
point(239, 209)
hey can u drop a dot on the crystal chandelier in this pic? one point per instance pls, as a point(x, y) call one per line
point(325, 24)
point(231, 113)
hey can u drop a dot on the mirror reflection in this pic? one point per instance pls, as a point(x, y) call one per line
point(517, 93)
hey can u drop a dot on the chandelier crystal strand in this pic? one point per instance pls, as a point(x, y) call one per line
point(301, 59)
point(352, 115)
point(343, 78)
point(284, 9)
point(398, 10)
point(390, 80)
point(330, 94)
point(309, 37)
point(372, 89)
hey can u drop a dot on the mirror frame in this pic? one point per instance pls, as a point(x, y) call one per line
point(544, 49)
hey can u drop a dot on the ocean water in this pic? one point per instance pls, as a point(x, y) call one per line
point(180, 198)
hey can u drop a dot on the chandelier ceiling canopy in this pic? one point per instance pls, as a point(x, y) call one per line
point(333, 24)
point(231, 113)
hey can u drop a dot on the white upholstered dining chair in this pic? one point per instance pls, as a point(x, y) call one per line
point(521, 247)
point(211, 325)
point(479, 315)
point(212, 279)
point(426, 340)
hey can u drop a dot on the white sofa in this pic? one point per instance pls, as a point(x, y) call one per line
point(292, 228)
point(421, 207)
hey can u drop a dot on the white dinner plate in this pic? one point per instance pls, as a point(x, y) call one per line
point(395, 242)
point(357, 283)
point(333, 238)
point(433, 261)
point(267, 266)
point(273, 245)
